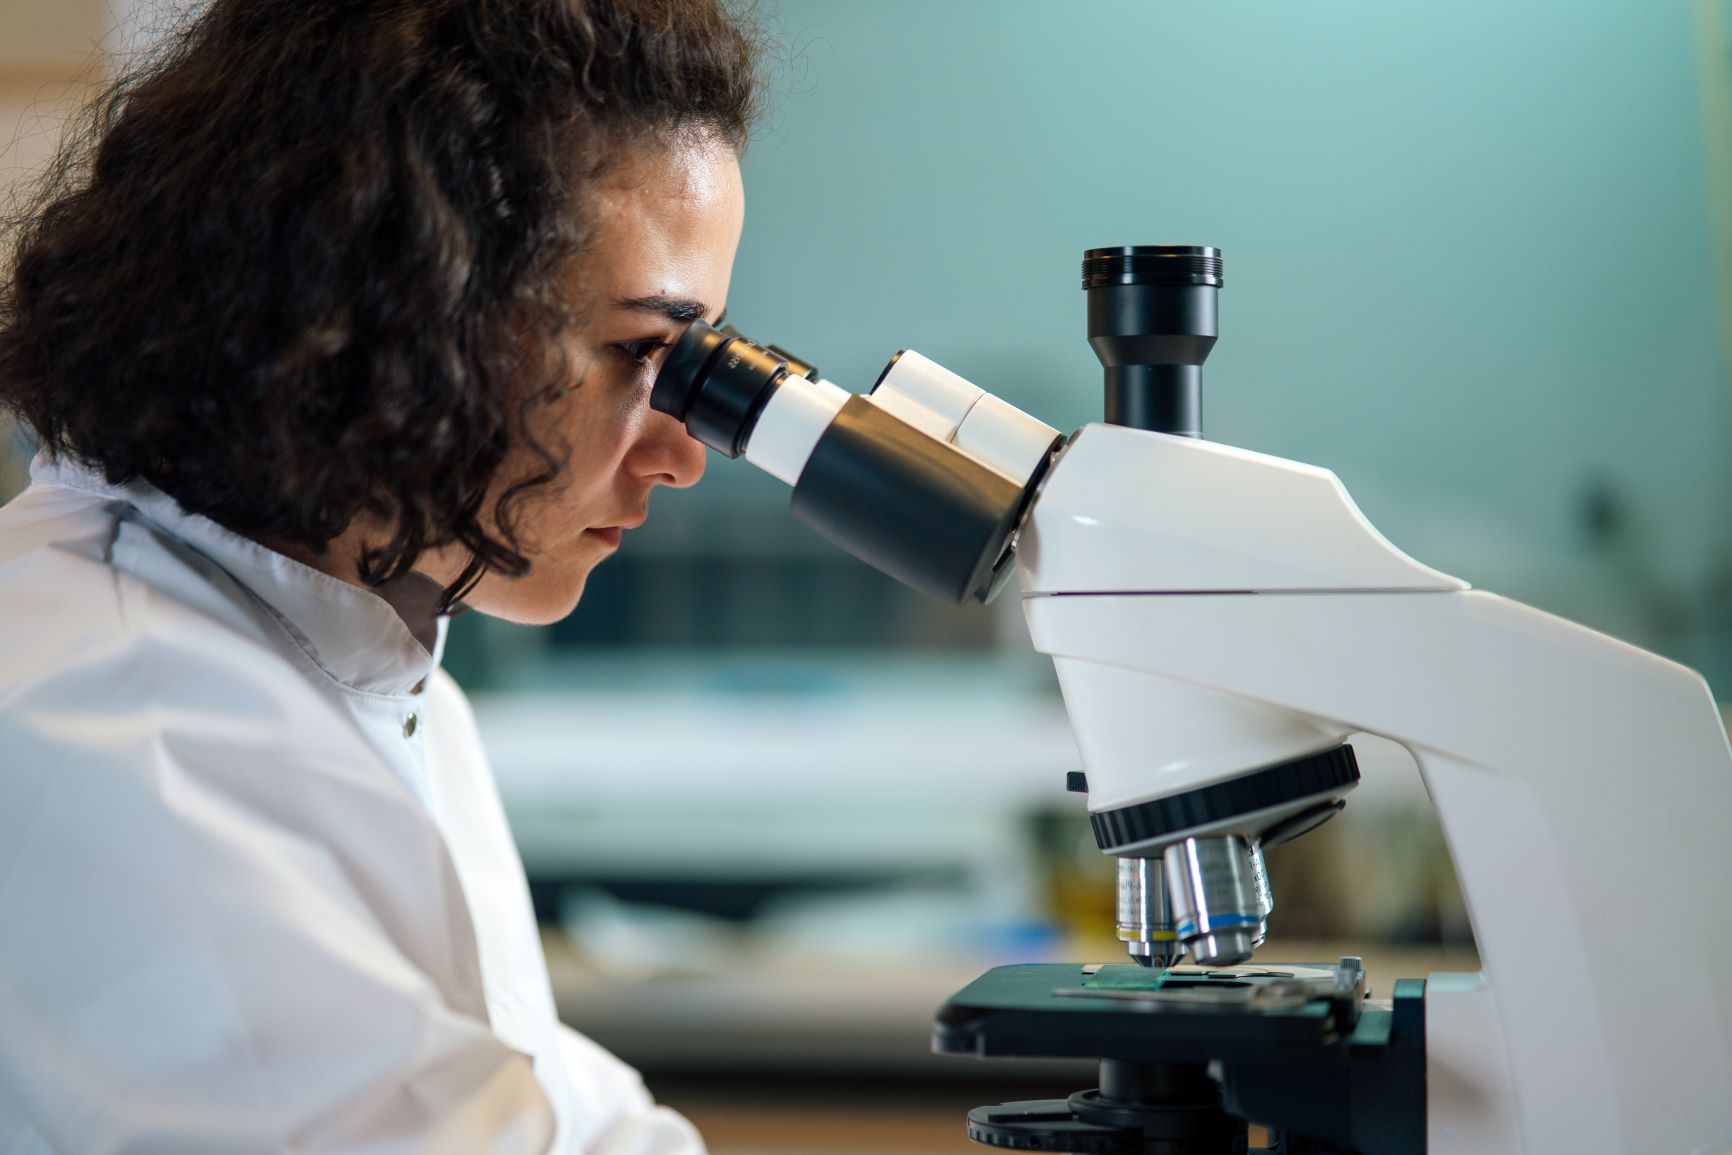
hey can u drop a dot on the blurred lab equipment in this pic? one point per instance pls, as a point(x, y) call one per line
point(1221, 621)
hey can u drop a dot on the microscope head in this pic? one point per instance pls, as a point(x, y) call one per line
point(935, 482)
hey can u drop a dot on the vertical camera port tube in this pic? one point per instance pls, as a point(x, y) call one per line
point(1152, 322)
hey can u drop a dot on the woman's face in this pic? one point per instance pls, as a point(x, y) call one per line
point(667, 226)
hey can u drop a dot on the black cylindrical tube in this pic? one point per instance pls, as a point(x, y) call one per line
point(1176, 1107)
point(910, 505)
point(1152, 322)
point(1158, 1084)
point(796, 365)
point(1168, 398)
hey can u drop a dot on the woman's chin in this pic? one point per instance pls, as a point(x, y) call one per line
point(537, 598)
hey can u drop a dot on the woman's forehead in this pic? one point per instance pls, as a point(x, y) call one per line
point(668, 227)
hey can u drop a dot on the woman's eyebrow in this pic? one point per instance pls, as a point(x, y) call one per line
point(684, 309)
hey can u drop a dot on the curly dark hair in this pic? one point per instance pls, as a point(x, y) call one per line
point(308, 263)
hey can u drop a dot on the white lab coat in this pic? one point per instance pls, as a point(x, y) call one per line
point(257, 892)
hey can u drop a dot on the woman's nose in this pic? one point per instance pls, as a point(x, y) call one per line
point(666, 454)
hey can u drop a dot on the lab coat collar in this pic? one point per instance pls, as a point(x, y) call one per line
point(385, 642)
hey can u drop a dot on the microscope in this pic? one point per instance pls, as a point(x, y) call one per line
point(1222, 622)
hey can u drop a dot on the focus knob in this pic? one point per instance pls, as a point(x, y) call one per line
point(1048, 1125)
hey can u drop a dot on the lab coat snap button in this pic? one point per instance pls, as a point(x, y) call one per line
point(409, 725)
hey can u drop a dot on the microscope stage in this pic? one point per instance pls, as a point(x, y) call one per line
point(1182, 1014)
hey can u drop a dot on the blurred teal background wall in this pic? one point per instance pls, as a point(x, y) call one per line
point(780, 805)
point(1467, 253)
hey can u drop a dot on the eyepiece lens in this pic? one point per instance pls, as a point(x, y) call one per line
point(681, 376)
point(716, 383)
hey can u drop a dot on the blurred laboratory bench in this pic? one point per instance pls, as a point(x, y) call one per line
point(761, 875)
point(885, 802)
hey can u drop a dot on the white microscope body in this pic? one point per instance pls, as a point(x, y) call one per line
point(1211, 610)
point(1216, 616)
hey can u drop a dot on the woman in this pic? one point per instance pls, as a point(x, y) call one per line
point(352, 313)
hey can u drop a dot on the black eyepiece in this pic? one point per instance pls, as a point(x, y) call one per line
point(1152, 323)
point(717, 382)
point(796, 366)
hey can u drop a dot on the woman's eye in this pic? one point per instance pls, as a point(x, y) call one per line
point(641, 351)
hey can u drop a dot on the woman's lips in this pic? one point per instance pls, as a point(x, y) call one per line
point(609, 534)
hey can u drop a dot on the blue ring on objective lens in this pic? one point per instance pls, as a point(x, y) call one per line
point(1224, 922)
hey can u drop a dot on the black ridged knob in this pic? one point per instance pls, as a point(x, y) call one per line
point(1152, 265)
point(1048, 1125)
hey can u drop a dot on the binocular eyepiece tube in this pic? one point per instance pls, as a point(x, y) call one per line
point(927, 479)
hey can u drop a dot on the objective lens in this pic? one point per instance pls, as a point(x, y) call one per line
point(1265, 896)
point(1145, 916)
point(1216, 909)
